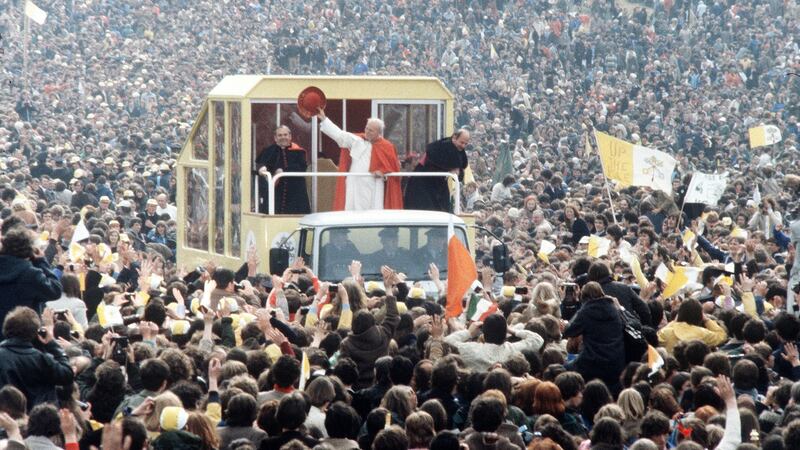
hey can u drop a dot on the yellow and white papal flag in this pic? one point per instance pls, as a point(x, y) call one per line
point(305, 371)
point(677, 278)
point(545, 249)
point(598, 246)
point(764, 135)
point(35, 13)
point(654, 360)
point(635, 165)
point(706, 188)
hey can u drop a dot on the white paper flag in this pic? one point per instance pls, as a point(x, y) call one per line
point(35, 13)
point(706, 188)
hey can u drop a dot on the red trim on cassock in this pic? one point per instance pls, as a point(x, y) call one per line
point(383, 158)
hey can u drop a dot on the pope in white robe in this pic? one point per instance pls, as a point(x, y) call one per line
point(370, 153)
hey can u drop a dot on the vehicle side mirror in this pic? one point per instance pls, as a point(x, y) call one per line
point(501, 262)
point(278, 260)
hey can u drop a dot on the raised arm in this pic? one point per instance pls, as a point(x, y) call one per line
point(733, 426)
point(529, 340)
point(343, 139)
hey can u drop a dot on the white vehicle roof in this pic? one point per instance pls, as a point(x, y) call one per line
point(380, 217)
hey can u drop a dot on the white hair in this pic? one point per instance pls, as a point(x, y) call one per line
point(377, 122)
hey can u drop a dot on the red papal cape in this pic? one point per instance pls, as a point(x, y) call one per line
point(383, 158)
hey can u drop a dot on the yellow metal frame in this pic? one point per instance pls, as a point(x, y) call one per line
point(244, 89)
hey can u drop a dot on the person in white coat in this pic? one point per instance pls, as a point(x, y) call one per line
point(71, 300)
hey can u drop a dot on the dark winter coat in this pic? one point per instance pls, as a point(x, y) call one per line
point(366, 346)
point(36, 373)
point(627, 298)
point(579, 229)
point(433, 193)
point(25, 283)
point(603, 351)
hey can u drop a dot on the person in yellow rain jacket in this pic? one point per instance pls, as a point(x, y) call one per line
point(689, 325)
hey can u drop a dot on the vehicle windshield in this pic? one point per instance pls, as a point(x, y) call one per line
point(406, 249)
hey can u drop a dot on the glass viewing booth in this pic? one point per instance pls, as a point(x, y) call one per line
point(217, 187)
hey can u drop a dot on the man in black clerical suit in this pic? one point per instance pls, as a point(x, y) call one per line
point(444, 155)
point(284, 155)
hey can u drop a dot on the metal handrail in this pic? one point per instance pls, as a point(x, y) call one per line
point(274, 179)
point(258, 185)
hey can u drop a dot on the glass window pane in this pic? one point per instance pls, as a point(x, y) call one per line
point(300, 128)
point(200, 138)
point(219, 177)
point(420, 134)
point(440, 131)
point(329, 148)
point(433, 124)
point(197, 208)
point(409, 252)
point(235, 110)
point(396, 119)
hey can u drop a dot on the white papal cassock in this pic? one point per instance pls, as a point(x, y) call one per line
point(361, 192)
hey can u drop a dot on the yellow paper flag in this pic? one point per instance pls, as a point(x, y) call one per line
point(305, 371)
point(106, 256)
point(598, 246)
point(636, 268)
point(635, 165)
point(675, 282)
point(545, 250)
point(76, 252)
point(678, 279)
point(469, 177)
point(739, 233)
point(654, 359)
point(273, 351)
point(109, 315)
point(141, 298)
point(764, 135)
point(689, 239)
point(617, 158)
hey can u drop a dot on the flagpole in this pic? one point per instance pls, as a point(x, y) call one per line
point(680, 214)
point(610, 200)
point(25, 46)
point(608, 188)
point(683, 203)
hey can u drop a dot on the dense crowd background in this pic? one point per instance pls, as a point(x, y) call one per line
point(114, 87)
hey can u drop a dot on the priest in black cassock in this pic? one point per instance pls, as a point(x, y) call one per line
point(444, 155)
point(284, 155)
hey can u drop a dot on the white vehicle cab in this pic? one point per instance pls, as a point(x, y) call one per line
point(406, 240)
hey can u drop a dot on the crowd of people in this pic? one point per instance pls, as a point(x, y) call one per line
point(108, 343)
